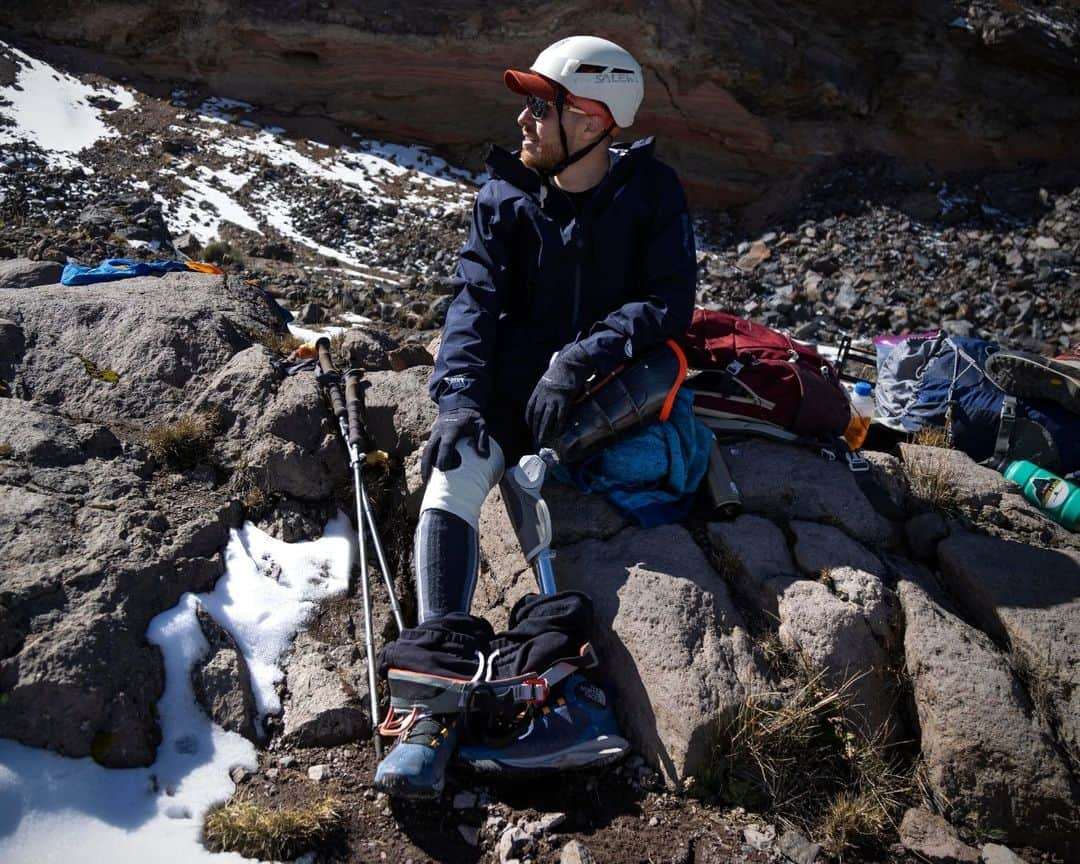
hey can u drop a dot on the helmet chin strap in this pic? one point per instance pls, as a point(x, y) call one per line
point(570, 158)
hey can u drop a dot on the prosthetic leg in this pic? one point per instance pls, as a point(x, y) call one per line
point(529, 514)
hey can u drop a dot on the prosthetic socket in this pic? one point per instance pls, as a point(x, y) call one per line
point(632, 396)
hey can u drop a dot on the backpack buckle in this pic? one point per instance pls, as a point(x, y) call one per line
point(734, 367)
point(856, 462)
point(532, 691)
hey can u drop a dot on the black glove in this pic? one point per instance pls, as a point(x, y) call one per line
point(454, 424)
point(549, 406)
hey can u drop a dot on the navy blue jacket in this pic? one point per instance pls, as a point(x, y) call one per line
point(534, 277)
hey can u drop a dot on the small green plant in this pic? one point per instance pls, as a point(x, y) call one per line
point(186, 442)
point(109, 376)
point(221, 252)
point(277, 835)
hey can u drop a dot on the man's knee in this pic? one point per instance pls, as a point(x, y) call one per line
point(462, 490)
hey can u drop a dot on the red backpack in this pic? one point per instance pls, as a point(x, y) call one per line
point(750, 371)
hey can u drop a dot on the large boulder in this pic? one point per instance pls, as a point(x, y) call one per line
point(786, 482)
point(128, 349)
point(92, 552)
point(25, 273)
point(399, 410)
point(96, 537)
point(750, 552)
point(1028, 599)
point(833, 634)
point(990, 758)
point(672, 641)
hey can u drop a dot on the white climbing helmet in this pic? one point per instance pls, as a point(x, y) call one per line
point(588, 68)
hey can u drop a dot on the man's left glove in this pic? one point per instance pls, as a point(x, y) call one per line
point(449, 427)
point(549, 406)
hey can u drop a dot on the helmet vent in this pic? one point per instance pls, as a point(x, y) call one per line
point(590, 68)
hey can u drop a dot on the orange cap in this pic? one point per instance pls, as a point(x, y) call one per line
point(533, 84)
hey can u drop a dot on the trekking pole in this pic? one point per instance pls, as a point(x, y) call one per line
point(359, 438)
point(330, 378)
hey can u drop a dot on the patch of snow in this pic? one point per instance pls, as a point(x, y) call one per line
point(219, 109)
point(51, 109)
point(306, 335)
point(56, 809)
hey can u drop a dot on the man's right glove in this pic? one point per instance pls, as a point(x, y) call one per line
point(549, 406)
point(454, 424)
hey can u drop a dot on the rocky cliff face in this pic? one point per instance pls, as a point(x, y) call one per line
point(747, 97)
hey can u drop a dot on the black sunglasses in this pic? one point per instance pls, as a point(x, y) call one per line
point(538, 107)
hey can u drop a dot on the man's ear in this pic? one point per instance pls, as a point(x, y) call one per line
point(595, 125)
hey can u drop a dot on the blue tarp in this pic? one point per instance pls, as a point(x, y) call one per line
point(116, 268)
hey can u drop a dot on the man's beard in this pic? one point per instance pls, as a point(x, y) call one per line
point(542, 161)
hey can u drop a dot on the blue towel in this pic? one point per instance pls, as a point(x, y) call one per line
point(116, 268)
point(653, 474)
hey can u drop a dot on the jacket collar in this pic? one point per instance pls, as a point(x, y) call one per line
point(625, 157)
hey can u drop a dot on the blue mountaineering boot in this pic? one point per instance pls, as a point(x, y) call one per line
point(575, 728)
point(416, 767)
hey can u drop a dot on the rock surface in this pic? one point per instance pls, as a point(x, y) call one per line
point(221, 680)
point(763, 92)
point(931, 837)
point(786, 483)
point(99, 538)
point(990, 758)
point(673, 642)
point(324, 708)
point(26, 273)
point(1028, 599)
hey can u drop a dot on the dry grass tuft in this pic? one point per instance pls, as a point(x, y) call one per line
point(802, 758)
point(272, 835)
point(932, 480)
point(186, 442)
point(851, 819)
point(6, 450)
point(932, 436)
point(282, 344)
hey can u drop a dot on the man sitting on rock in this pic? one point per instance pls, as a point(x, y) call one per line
point(580, 257)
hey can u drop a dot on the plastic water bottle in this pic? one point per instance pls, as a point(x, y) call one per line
point(862, 412)
point(1058, 499)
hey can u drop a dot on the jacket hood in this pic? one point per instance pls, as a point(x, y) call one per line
point(506, 165)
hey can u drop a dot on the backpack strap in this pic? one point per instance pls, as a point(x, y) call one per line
point(1004, 431)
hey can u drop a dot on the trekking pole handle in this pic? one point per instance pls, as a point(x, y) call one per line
point(354, 406)
point(329, 377)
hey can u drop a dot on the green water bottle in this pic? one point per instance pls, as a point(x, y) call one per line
point(1058, 499)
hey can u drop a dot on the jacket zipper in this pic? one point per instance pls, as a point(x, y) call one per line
point(579, 242)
